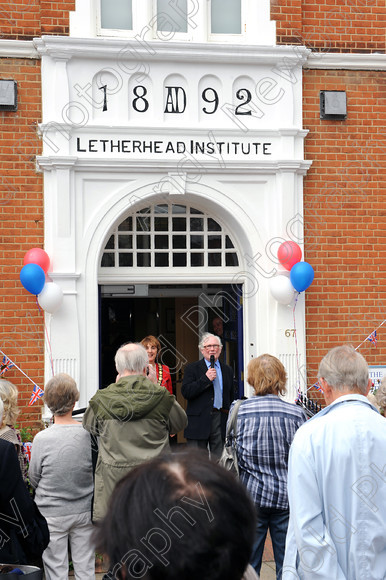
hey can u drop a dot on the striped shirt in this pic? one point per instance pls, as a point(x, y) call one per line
point(266, 426)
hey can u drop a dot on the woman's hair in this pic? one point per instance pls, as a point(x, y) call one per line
point(1, 411)
point(8, 394)
point(344, 368)
point(267, 375)
point(61, 394)
point(153, 341)
point(178, 517)
point(380, 396)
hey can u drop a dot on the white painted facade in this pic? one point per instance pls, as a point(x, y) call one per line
point(98, 164)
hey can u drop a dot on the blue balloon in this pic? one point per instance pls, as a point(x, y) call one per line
point(33, 278)
point(301, 276)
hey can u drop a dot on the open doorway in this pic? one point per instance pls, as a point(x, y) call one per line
point(177, 315)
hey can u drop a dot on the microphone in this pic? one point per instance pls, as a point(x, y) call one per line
point(212, 361)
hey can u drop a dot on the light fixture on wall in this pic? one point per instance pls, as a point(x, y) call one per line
point(333, 105)
point(8, 95)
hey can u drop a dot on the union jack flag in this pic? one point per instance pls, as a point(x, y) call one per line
point(6, 364)
point(373, 338)
point(36, 394)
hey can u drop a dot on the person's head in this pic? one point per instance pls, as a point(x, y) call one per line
point(1, 411)
point(267, 375)
point(380, 396)
point(152, 346)
point(61, 394)
point(217, 326)
point(210, 345)
point(131, 359)
point(343, 370)
point(9, 394)
point(179, 516)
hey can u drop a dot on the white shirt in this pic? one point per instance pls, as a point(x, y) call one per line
point(337, 495)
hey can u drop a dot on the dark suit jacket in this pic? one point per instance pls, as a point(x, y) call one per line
point(199, 392)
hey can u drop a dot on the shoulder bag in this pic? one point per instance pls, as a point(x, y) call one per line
point(228, 457)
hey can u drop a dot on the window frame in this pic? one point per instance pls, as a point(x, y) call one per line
point(227, 38)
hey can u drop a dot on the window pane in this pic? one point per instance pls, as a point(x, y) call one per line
point(126, 225)
point(110, 243)
point(179, 260)
point(162, 260)
point(214, 242)
point(231, 259)
point(143, 260)
point(228, 242)
point(179, 242)
point(117, 14)
point(226, 16)
point(161, 242)
point(196, 260)
point(214, 259)
point(213, 226)
point(179, 224)
point(143, 224)
point(172, 16)
point(126, 260)
point(125, 242)
point(178, 208)
point(196, 225)
point(161, 224)
point(108, 260)
point(161, 208)
point(192, 210)
point(143, 242)
point(197, 242)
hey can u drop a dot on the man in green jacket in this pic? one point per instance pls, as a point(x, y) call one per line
point(132, 419)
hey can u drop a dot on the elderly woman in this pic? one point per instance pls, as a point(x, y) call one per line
point(266, 426)
point(379, 397)
point(61, 472)
point(159, 373)
point(9, 394)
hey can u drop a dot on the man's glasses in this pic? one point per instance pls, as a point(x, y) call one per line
point(208, 346)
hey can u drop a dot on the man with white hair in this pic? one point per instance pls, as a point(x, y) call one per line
point(337, 480)
point(208, 388)
point(132, 418)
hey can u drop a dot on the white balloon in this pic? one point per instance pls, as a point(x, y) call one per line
point(51, 297)
point(282, 289)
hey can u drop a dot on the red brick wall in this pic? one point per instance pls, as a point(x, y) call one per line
point(332, 25)
point(345, 215)
point(26, 19)
point(21, 214)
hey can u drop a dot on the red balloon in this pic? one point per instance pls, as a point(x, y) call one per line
point(289, 254)
point(39, 257)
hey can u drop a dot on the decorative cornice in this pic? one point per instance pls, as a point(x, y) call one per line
point(18, 49)
point(171, 51)
point(98, 165)
point(331, 61)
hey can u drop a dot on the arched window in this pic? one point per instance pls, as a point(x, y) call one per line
point(169, 236)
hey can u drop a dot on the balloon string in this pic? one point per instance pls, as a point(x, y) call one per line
point(296, 344)
point(47, 338)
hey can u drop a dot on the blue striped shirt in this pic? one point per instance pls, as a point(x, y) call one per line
point(266, 426)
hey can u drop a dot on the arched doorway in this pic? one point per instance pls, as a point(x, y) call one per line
point(177, 239)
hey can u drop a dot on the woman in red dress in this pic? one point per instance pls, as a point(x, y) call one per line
point(159, 373)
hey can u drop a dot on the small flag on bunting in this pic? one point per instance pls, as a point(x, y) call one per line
point(36, 394)
point(373, 338)
point(6, 364)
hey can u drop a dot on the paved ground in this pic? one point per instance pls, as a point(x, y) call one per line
point(267, 572)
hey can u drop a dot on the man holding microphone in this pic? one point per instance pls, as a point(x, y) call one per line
point(208, 388)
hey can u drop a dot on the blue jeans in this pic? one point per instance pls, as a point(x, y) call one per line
point(277, 523)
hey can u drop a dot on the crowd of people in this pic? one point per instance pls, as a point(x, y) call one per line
point(317, 485)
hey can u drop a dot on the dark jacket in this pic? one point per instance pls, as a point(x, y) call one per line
point(23, 530)
point(199, 392)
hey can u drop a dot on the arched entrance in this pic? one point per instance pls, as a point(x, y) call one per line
point(179, 238)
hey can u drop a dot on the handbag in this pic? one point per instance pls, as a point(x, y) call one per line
point(228, 457)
